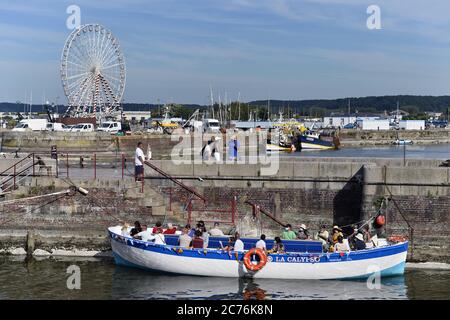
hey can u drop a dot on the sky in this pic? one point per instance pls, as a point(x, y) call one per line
point(256, 49)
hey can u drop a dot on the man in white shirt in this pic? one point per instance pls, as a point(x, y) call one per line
point(139, 159)
point(184, 240)
point(238, 244)
point(216, 232)
point(159, 237)
point(261, 244)
point(145, 234)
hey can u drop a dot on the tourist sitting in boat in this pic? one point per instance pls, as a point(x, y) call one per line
point(145, 234)
point(205, 237)
point(158, 224)
point(197, 242)
point(336, 233)
point(341, 246)
point(261, 243)
point(170, 229)
point(323, 236)
point(229, 246)
point(137, 228)
point(366, 233)
point(278, 246)
point(288, 234)
point(216, 232)
point(303, 233)
point(191, 231)
point(124, 231)
point(184, 240)
point(238, 244)
point(159, 236)
point(360, 244)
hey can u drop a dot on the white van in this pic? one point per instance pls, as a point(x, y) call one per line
point(110, 126)
point(31, 124)
point(56, 126)
point(83, 127)
point(211, 126)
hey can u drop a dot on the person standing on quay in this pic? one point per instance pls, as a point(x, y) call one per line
point(139, 163)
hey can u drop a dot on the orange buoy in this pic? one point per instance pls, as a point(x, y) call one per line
point(262, 259)
point(380, 220)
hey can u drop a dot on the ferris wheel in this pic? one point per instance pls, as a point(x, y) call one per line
point(92, 71)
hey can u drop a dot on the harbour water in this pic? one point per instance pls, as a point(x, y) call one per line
point(46, 278)
point(440, 151)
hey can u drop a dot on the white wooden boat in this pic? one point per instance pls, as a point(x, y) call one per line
point(388, 260)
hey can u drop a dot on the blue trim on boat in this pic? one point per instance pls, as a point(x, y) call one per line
point(397, 270)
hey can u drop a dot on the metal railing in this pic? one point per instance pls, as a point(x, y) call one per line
point(16, 173)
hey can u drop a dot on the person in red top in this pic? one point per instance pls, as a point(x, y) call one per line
point(157, 225)
point(197, 242)
point(170, 229)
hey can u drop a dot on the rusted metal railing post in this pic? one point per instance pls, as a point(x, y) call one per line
point(95, 166)
point(142, 185)
point(170, 199)
point(233, 210)
point(189, 212)
point(123, 164)
point(67, 164)
point(33, 166)
point(14, 177)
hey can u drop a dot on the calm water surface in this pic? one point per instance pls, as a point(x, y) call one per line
point(440, 151)
point(102, 279)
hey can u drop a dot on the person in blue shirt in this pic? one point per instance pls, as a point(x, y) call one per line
point(233, 147)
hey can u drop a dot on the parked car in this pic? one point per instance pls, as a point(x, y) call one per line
point(110, 126)
point(83, 127)
point(56, 126)
point(350, 126)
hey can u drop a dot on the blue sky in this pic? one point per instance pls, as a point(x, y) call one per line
point(282, 49)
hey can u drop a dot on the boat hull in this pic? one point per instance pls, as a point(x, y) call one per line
point(387, 261)
point(312, 143)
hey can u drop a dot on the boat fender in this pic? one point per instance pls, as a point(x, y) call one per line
point(262, 259)
point(380, 221)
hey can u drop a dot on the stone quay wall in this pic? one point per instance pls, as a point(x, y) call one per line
point(416, 201)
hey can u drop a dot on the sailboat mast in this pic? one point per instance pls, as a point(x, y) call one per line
point(212, 101)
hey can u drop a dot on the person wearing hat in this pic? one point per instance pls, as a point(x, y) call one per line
point(336, 233)
point(359, 242)
point(303, 233)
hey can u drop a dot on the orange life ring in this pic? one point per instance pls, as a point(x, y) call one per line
point(262, 259)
